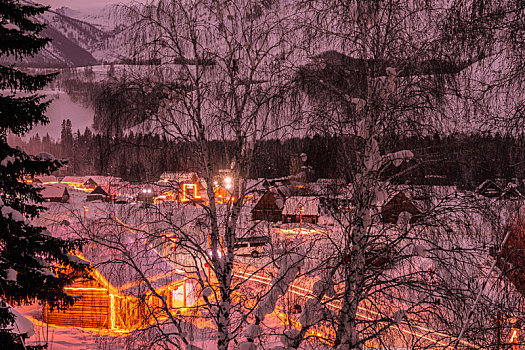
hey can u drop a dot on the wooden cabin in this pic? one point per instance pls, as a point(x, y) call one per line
point(396, 205)
point(93, 182)
point(116, 296)
point(270, 206)
point(102, 192)
point(55, 193)
point(73, 181)
point(489, 188)
point(301, 209)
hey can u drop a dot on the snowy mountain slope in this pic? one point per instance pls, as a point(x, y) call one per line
point(73, 40)
point(103, 18)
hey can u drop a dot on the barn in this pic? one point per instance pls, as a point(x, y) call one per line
point(115, 296)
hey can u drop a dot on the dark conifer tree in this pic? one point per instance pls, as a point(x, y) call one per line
point(33, 264)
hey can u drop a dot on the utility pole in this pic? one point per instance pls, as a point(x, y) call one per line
point(498, 331)
point(301, 209)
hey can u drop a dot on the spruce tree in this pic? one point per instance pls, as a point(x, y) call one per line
point(33, 264)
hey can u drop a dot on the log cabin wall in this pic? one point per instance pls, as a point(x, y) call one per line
point(90, 311)
point(98, 308)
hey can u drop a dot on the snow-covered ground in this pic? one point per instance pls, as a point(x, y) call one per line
point(72, 338)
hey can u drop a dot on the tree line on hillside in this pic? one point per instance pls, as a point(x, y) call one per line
point(463, 160)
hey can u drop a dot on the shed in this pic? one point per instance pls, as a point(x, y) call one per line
point(115, 296)
point(55, 193)
point(301, 208)
point(397, 204)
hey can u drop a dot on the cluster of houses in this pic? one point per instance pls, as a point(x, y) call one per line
point(279, 200)
point(56, 189)
point(179, 186)
point(306, 203)
point(114, 297)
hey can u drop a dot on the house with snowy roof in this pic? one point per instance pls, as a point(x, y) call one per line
point(45, 179)
point(397, 203)
point(73, 181)
point(489, 188)
point(301, 209)
point(102, 192)
point(55, 193)
point(93, 181)
point(116, 296)
point(270, 206)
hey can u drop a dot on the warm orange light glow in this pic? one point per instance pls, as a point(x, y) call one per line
point(189, 191)
point(514, 339)
point(308, 294)
point(85, 288)
point(300, 231)
point(150, 279)
point(112, 311)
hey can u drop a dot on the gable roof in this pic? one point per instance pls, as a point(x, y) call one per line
point(272, 199)
point(54, 191)
point(73, 179)
point(489, 188)
point(118, 271)
point(310, 205)
point(46, 179)
point(102, 180)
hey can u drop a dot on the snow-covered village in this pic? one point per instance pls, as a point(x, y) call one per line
point(262, 174)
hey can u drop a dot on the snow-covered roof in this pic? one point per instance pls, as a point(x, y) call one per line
point(179, 176)
point(123, 276)
point(489, 188)
point(106, 189)
point(46, 178)
point(53, 190)
point(293, 205)
point(102, 180)
point(73, 179)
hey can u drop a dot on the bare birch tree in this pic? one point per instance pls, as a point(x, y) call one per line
point(382, 70)
point(219, 74)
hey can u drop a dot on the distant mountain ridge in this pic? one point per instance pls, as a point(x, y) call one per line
point(74, 41)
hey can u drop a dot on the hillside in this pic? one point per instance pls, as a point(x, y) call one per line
point(75, 37)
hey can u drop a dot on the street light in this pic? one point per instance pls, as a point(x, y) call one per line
point(228, 183)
